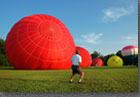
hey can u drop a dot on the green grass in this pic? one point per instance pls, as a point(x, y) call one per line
point(97, 79)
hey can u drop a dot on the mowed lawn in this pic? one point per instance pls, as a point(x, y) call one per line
point(97, 79)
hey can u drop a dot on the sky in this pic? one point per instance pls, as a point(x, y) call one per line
point(105, 26)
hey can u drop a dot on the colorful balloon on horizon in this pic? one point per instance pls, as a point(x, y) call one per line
point(86, 58)
point(40, 42)
point(97, 62)
point(115, 61)
point(130, 53)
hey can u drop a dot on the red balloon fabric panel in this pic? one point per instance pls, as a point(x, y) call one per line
point(97, 62)
point(85, 55)
point(40, 42)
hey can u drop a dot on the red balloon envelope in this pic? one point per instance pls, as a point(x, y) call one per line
point(97, 62)
point(40, 42)
point(85, 55)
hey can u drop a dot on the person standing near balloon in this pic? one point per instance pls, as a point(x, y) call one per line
point(76, 62)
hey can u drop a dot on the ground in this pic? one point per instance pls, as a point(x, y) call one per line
point(97, 79)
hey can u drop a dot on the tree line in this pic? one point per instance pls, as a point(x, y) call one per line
point(4, 61)
point(105, 58)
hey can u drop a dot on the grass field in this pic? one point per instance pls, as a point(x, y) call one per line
point(97, 79)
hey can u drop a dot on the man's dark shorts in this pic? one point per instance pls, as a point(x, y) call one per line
point(76, 69)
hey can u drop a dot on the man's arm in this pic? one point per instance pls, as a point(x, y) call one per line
point(79, 64)
point(80, 60)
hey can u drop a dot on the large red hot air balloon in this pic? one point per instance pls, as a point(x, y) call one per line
point(85, 55)
point(97, 62)
point(40, 42)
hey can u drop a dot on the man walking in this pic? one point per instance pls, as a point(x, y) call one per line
point(76, 62)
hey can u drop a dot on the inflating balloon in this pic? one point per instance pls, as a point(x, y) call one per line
point(130, 53)
point(115, 61)
point(97, 62)
point(40, 42)
point(85, 55)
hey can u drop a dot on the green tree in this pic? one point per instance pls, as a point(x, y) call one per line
point(2, 43)
point(119, 53)
point(3, 59)
point(95, 54)
point(107, 57)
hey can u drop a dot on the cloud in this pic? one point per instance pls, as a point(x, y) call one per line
point(113, 14)
point(90, 38)
point(130, 39)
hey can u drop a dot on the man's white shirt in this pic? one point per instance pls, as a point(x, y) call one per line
point(76, 59)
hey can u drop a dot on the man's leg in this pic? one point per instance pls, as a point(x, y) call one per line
point(81, 77)
point(71, 80)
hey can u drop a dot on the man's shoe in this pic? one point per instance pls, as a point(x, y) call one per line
point(70, 81)
point(80, 82)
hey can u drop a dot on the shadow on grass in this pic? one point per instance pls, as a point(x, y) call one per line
point(90, 67)
point(106, 67)
point(7, 68)
point(25, 80)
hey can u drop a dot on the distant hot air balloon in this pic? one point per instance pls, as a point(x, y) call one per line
point(97, 62)
point(130, 53)
point(85, 55)
point(115, 61)
point(40, 42)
